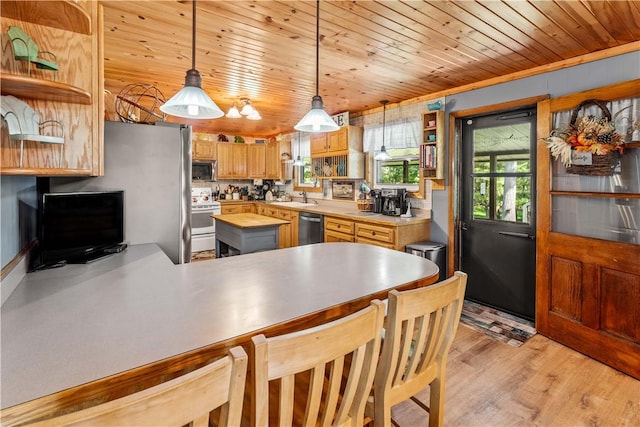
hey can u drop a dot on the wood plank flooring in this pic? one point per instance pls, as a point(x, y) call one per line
point(540, 383)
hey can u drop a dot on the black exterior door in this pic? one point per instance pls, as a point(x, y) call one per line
point(498, 210)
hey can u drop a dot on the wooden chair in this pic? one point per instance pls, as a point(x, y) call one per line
point(419, 330)
point(25, 49)
point(178, 402)
point(324, 374)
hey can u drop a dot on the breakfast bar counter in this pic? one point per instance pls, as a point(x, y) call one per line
point(82, 334)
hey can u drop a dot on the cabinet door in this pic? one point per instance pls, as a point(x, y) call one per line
point(239, 160)
point(232, 161)
point(318, 143)
point(204, 150)
point(248, 208)
point(225, 160)
point(272, 161)
point(231, 209)
point(256, 166)
point(338, 140)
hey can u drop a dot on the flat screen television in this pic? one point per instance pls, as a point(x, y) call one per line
point(80, 227)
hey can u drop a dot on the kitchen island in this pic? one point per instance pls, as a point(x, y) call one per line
point(245, 233)
point(79, 335)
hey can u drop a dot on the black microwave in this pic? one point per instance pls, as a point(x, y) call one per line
point(204, 170)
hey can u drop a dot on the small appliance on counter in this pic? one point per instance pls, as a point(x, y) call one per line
point(376, 196)
point(394, 201)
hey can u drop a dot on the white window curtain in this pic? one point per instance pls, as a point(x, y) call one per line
point(398, 134)
point(302, 148)
point(625, 114)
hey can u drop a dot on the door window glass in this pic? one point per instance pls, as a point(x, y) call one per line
point(502, 173)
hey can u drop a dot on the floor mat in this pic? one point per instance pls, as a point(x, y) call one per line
point(501, 326)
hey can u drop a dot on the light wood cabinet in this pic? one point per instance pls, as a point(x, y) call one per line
point(272, 161)
point(203, 147)
point(256, 161)
point(288, 233)
point(375, 234)
point(338, 154)
point(73, 31)
point(432, 147)
point(339, 142)
point(237, 207)
point(338, 229)
point(232, 160)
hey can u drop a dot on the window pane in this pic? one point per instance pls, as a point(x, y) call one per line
point(600, 218)
point(502, 199)
point(403, 168)
point(495, 147)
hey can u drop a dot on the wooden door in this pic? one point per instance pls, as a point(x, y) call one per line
point(588, 289)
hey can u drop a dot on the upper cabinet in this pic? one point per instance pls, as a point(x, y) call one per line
point(203, 146)
point(432, 147)
point(73, 96)
point(338, 154)
point(232, 160)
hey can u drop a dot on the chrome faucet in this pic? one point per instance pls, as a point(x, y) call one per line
point(304, 196)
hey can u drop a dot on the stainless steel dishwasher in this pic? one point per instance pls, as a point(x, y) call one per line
point(310, 228)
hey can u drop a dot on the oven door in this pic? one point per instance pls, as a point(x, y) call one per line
point(201, 221)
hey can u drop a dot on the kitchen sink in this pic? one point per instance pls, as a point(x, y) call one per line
point(292, 204)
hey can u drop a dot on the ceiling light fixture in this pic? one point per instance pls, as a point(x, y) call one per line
point(191, 101)
point(233, 112)
point(298, 161)
point(317, 120)
point(247, 110)
point(383, 155)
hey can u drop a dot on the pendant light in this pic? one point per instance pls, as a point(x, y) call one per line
point(298, 161)
point(317, 120)
point(191, 101)
point(233, 112)
point(383, 155)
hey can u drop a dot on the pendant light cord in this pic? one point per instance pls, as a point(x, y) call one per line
point(193, 37)
point(317, 46)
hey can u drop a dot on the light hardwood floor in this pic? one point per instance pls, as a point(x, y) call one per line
point(541, 383)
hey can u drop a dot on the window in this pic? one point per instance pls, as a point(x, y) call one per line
point(301, 146)
point(402, 141)
point(402, 169)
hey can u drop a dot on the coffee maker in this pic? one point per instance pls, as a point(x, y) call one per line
point(378, 201)
point(394, 201)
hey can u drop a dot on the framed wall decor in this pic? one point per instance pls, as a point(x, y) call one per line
point(342, 190)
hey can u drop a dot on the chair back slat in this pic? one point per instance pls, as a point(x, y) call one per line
point(419, 331)
point(332, 366)
point(183, 400)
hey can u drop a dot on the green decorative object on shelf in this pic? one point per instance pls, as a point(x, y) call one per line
point(238, 139)
point(25, 49)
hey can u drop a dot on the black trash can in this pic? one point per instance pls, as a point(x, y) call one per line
point(433, 251)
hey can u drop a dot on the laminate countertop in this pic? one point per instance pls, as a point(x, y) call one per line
point(77, 333)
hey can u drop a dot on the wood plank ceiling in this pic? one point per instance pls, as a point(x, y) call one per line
point(369, 50)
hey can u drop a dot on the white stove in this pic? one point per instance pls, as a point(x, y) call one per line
point(203, 227)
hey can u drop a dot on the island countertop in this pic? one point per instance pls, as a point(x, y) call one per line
point(82, 333)
point(249, 220)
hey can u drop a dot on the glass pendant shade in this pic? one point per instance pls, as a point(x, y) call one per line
point(383, 155)
point(254, 115)
point(233, 113)
point(247, 108)
point(298, 162)
point(316, 120)
point(191, 101)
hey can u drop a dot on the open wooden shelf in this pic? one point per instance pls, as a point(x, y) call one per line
point(64, 15)
point(28, 87)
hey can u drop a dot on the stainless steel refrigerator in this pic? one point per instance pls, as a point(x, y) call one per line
point(152, 164)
